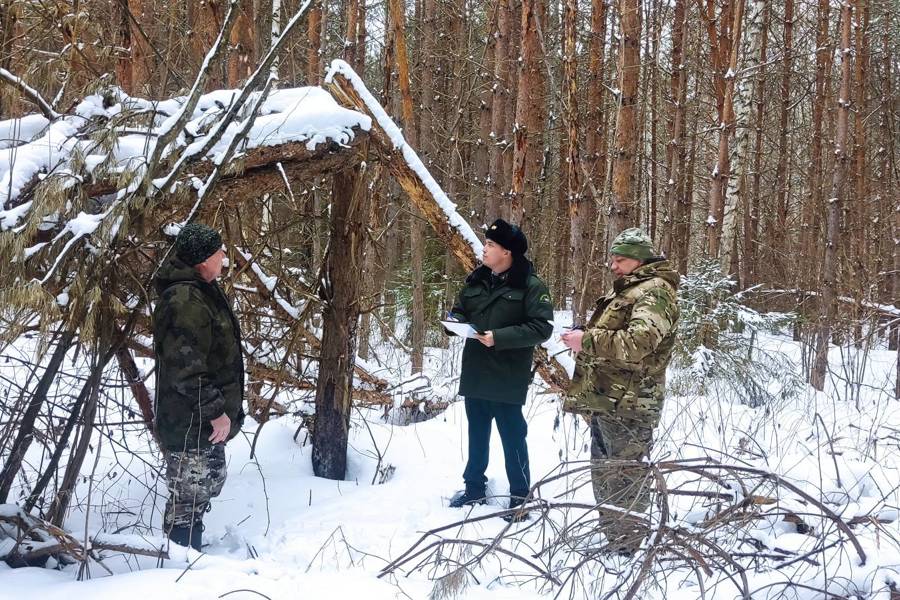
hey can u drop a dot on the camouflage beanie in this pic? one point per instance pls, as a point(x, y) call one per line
point(633, 243)
point(196, 242)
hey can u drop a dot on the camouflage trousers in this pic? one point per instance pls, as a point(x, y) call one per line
point(628, 487)
point(194, 478)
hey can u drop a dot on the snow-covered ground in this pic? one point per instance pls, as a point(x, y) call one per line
point(279, 532)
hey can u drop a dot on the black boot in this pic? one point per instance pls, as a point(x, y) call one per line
point(468, 497)
point(187, 536)
point(197, 536)
point(180, 535)
point(518, 516)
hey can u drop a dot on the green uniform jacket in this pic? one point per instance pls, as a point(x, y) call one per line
point(518, 309)
point(199, 367)
point(627, 345)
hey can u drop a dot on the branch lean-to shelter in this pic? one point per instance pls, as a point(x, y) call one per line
point(89, 204)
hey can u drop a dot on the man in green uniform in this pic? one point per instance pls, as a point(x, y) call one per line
point(199, 378)
point(620, 373)
point(510, 306)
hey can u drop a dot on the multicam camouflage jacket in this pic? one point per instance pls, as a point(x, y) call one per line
point(199, 367)
point(627, 345)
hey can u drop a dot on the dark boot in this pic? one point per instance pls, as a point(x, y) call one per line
point(197, 536)
point(518, 516)
point(187, 536)
point(468, 497)
point(180, 535)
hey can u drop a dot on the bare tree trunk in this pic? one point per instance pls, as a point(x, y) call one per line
point(715, 220)
point(242, 46)
point(417, 233)
point(500, 101)
point(314, 49)
point(753, 200)
point(350, 34)
point(675, 147)
point(529, 124)
point(207, 21)
point(860, 224)
point(778, 228)
point(834, 205)
point(742, 85)
point(622, 203)
point(340, 292)
point(581, 224)
point(813, 199)
point(481, 185)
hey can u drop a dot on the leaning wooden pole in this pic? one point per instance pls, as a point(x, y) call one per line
point(421, 188)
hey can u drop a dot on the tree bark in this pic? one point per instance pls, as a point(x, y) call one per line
point(581, 223)
point(675, 146)
point(835, 202)
point(742, 87)
point(314, 45)
point(530, 108)
point(500, 101)
point(340, 313)
point(777, 224)
point(715, 221)
point(622, 211)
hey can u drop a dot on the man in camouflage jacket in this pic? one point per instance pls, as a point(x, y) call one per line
point(200, 378)
point(620, 373)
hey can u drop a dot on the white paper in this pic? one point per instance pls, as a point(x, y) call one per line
point(460, 329)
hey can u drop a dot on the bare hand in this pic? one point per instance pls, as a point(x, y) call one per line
point(572, 339)
point(486, 338)
point(221, 428)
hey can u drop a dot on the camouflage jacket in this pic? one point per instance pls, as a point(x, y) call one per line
point(627, 346)
point(199, 367)
point(518, 309)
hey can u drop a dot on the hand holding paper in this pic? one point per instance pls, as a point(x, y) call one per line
point(461, 329)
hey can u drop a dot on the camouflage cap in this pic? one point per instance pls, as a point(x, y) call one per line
point(633, 243)
point(196, 242)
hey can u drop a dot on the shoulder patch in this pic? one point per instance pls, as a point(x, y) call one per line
point(545, 299)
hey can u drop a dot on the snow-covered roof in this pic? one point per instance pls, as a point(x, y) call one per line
point(112, 133)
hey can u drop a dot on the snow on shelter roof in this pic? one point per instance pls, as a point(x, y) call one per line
point(31, 147)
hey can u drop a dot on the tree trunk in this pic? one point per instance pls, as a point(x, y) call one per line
point(715, 220)
point(530, 109)
point(417, 233)
point(753, 201)
point(777, 225)
point(675, 146)
point(207, 21)
point(581, 223)
point(340, 294)
point(242, 46)
point(835, 202)
point(622, 213)
point(350, 33)
point(500, 101)
point(742, 82)
point(809, 226)
point(314, 48)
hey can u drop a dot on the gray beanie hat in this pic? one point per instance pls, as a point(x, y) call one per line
point(633, 243)
point(196, 242)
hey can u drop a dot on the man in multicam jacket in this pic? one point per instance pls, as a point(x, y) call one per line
point(620, 373)
point(200, 378)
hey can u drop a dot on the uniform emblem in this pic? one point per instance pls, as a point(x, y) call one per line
point(545, 298)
